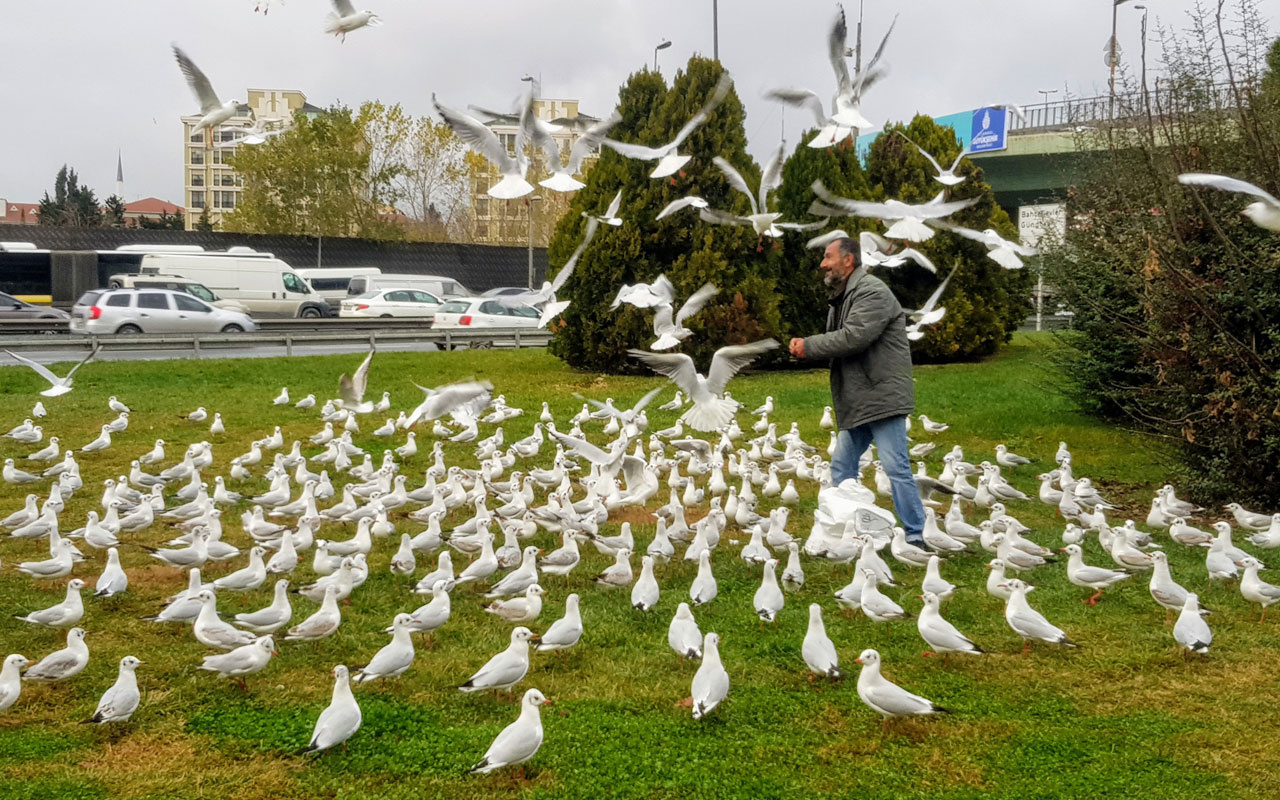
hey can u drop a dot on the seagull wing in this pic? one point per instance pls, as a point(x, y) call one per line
point(644, 401)
point(937, 293)
point(963, 152)
point(197, 81)
point(663, 318)
point(826, 239)
point(475, 135)
point(695, 302)
point(631, 150)
point(729, 360)
point(40, 369)
point(344, 8)
point(918, 257)
point(800, 98)
point(717, 97)
point(1227, 185)
point(870, 242)
point(836, 48)
point(582, 448)
point(563, 275)
point(351, 390)
point(870, 74)
point(736, 180)
point(676, 366)
point(542, 138)
point(680, 204)
point(857, 208)
point(86, 360)
point(715, 216)
point(771, 178)
point(614, 204)
point(925, 153)
point(590, 141)
point(803, 226)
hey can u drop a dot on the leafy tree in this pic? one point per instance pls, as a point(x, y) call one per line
point(73, 204)
point(315, 179)
point(687, 250)
point(985, 302)
point(203, 224)
point(172, 222)
point(422, 163)
point(114, 215)
point(1175, 294)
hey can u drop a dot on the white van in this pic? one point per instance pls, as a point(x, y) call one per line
point(331, 283)
point(129, 280)
point(267, 286)
point(435, 284)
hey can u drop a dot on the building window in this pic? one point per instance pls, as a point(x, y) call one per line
point(197, 179)
point(217, 156)
point(482, 206)
point(228, 179)
point(228, 134)
point(197, 157)
point(197, 137)
point(225, 199)
point(197, 200)
point(482, 230)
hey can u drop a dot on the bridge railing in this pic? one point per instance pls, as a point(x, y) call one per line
point(1076, 111)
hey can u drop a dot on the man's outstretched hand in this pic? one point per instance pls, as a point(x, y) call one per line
point(797, 347)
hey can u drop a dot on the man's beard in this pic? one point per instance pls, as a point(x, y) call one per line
point(835, 282)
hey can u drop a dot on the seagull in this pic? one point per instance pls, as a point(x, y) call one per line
point(940, 634)
point(113, 580)
point(1029, 623)
point(344, 19)
point(271, 618)
point(323, 622)
point(211, 630)
point(486, 143)
point(846, 114)
point(1000, 250)
point(564, 632)
point(446, 399)
point(1256, 590)
point(63, 614)
point(14, 475)
point(1190, 631)
point(352, 389)
point(340, 721)
point(710, 410)
point(213, 112)
point(908, 221)
point(683, 635)
point(818, 652)
point(282, 399)
point(519, 741)
point(768, 600)
point(546, 296)
point(1265, 213)
point(588, 142)
point(62, 664)
point(199, 415)
point(704, 587)
point(505, 669)
point(255, 134)
point(57, 386)
point(948, 176)
point(244, 660)
point(1099, 578)
point(888, 699)
point(877, 251)
point(120, 701)
point(645, 593)
point(11, 679)
point(668, 155)
point(395, 657)
point(711, 681)
point(610, 216)
point(525, 608)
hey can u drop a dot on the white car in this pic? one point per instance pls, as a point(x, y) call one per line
point(391, 303)
point(134, 311)
point(463, 313)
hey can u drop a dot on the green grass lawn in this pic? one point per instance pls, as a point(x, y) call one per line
point(1126, 716)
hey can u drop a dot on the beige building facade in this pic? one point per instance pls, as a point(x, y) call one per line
point(208, 181)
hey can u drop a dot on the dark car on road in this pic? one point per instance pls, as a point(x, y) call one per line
point(11, 308)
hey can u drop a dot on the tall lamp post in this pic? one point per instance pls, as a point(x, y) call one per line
point(1144, 53)
point(715, 29)
point(529, 201)
point(665, 44)
point(1113, 56)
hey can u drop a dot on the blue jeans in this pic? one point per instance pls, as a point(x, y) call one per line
point(890, 436)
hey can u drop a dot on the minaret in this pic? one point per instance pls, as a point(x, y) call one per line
point(119, 177)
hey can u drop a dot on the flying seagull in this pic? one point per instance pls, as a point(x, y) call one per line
point(907, 221)
point(344, 19)
point(710, 410)
point(58, 386)
point(485, 142)
point(352, 390)
point(551, 307)
point(213, 111)
point(668, 155)
point(1265, 213)
point(948, 176)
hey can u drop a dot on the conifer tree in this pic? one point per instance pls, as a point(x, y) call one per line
point(688, 251)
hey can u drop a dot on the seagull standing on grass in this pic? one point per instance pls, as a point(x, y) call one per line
point(888, 699)
point(519, 741)
point(121, 700)
point(711, 681)
point(340, 721)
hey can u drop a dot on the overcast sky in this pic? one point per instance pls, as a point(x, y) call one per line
point(81, 78)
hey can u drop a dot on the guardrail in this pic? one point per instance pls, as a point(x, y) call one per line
point(196, 344)
point(47, 326)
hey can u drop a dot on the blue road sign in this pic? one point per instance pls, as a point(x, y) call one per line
point(988, 130)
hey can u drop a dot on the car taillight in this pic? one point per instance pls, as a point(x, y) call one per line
point(95, 312)
point(464, 320)
point(362, 306)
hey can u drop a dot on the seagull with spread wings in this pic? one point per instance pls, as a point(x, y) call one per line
point(668, 155)
point(344, 19)
point(905, 221)
point(213, 111)
point(1265, 213)
point(668, 324)
point(547, 294)
point(709, 410)
point(999, 249)
point(846, 113)
point(948, 176)
point(485, 142)
point(929, 313)
point(352, 389)
point(562, 179)
point(58, 386)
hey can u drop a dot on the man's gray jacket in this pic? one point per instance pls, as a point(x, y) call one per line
point(866, 343)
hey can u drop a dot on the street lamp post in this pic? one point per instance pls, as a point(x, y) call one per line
point(1144, 54)
point(1045, 94)
point(665, 44)
point(529, 201)
point(1113, 56)
point(715, 29)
